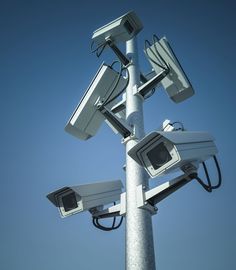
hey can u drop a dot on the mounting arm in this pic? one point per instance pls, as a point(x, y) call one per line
point(117, 123)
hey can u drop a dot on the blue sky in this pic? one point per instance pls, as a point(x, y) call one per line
point(46, 65)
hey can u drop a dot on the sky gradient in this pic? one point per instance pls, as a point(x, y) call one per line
point(46, 65)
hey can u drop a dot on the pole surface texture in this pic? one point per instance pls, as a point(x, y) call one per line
point(139, 235)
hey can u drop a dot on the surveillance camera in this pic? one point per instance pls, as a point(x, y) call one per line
point(163, 152)
point(75, 199)
point(86, 118)
point(121, 29)
point(176, 83)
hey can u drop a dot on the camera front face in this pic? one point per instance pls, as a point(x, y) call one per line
point(69, 203)
point(158, 156)
point(128, 27)
point(119, 30)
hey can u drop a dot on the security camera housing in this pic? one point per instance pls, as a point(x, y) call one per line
point(86, 119)
point(121, 29)
point(76, 199)
point(163, 152)
point(176, 83)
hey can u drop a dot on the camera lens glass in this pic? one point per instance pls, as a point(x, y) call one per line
point(159, 156)
point(69, 202)
point(128, 27)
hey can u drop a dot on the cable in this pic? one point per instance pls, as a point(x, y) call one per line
point(219, 174)
point(154, 53)
point(107, 229)
point(158, 57)
point(108, 100)
point(116, 96)
point(150, 93)
point(180, 123)
point(145, 48)
point(114, 62)
point(209, 187)
point(156, 40)
point(102, 46)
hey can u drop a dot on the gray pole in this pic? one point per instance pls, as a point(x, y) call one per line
point(139, 235)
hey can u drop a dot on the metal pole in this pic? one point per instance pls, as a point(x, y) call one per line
point(139, 235)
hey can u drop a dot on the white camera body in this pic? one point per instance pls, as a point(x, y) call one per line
point(121, 29)
point(86, 119)
point(164, 152)
point(76, 199)
point(176, 83)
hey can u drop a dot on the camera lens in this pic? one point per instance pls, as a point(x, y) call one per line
point(69, 202)
point(159, 156)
